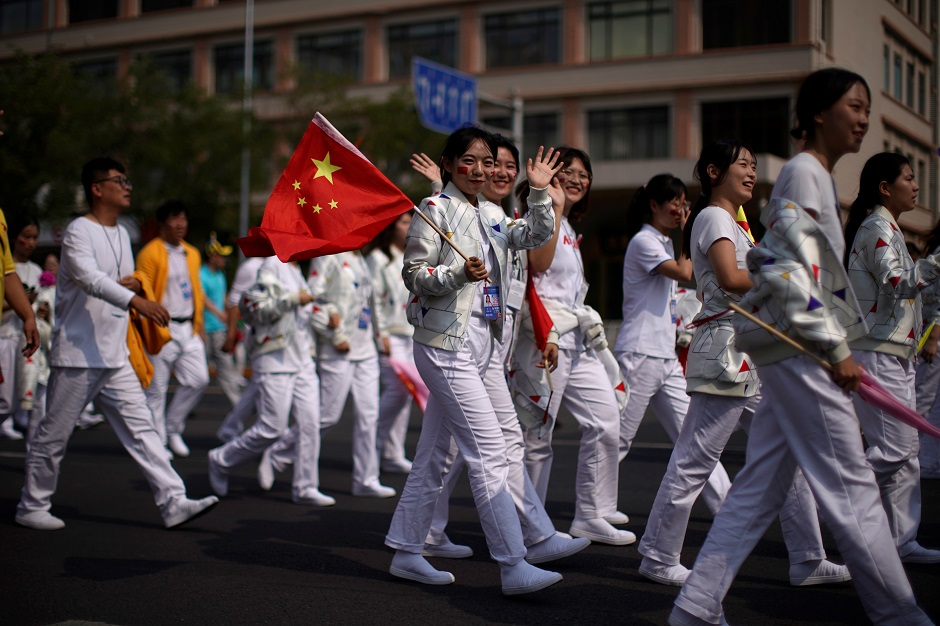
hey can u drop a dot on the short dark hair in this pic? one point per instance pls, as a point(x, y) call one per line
point(97, 169)
point(171, 208)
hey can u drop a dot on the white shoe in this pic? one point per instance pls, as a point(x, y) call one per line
point(39, 520)
point(218, 475)
point(681, 617)
point(920, 554)
point(176, 444)
point(554, 548)
point(266, 470)
point(618, 518)
point(820, 572)
point(447, 549)
point(413, 567)
point(658, 572)
point(600, 531)
point(7, 431)
point(314, 497)
point(89, 420)
point(396, 466)
point(185, 510)
point(522, 578)
point(374, 490)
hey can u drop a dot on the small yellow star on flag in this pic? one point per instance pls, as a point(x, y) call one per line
point(333, 204)
point(296, 185)
point(317, 208)
point(301, 201)
point(325, 168)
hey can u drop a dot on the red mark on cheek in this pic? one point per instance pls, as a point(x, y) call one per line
point(491, 174)
point(512, 175)
point(462, 169)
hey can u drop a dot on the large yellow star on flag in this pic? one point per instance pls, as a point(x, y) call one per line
point(325, 168)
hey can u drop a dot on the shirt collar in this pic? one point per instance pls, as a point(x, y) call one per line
point(663, 238)
point(886, 214)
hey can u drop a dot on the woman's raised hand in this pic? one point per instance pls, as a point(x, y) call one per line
point(423, 164)
point(543, 168)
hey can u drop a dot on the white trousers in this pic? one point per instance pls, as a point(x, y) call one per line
point(459, 407)
point(892, 446)
point(117, 393)
point(8, 399)
point(927, 384)
point(185, 357)
point(395, 402)
point(822, 439)
point(659, 384)
point(224, 363)
point(234, 421)
point(278, 397)
point(535, 522)
point(581, 384)
point(705, 432)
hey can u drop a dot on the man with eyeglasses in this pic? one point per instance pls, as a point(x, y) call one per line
point(172, 265)
point(89, 357)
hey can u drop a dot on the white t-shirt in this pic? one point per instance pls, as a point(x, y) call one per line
point(296, 355)
point(648, 297)
point(245, 277)
point(805, 181)
point(712, 224)
point(178, 295)
point(563, 281)
point(90, 306)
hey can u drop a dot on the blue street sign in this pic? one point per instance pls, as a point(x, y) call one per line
point(446, 99)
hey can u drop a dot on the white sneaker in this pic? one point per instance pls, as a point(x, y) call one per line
point(618, 518)
point(373, 491)
point(184, 510)
point(522, 577)
point(176, 444)
point(447, 549)
point(266, 470)
point(89, 420)
point(554, 548)
point(39, 520)
point(658, 572)
point(600, 531)
point(920, 555)
point(820, 572)
point(396, 466)
point(218, 475)
point(314, 497)
point(412, 566)
point(681, 617)
point(7, 431)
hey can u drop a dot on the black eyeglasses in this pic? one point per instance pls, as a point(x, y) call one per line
point(119, 179)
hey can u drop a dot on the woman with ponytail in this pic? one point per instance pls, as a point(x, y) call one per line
point(887, 283)
point(722, 382)
point(645, 347)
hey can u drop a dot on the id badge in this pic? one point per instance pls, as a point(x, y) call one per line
point(491, 302)
point(364, 317)
point(673, 305)
point(516, 294)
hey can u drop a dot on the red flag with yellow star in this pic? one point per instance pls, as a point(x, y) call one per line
point(329, 199)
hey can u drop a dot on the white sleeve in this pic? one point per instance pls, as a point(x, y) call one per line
point(79, 252)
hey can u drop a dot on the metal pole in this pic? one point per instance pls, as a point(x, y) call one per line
point(246, 118)
point(517, 120)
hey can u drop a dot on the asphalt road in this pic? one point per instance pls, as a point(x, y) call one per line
point(260, 559)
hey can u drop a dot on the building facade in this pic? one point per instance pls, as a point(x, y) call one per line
point(639, 84)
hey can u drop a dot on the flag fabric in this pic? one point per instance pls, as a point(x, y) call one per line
point(541, 321)
point(741, 219)
point(329, 199)
point(411, 379)
point(872, 392)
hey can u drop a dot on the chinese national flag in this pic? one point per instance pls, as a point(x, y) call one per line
point(329, 199)
point(541, 321)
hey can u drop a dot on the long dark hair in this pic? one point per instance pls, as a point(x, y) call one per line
point(721, 153)
point(819, 91)
point(660, 188)
point(568, 154)
point(457, 144)
point(883, 167)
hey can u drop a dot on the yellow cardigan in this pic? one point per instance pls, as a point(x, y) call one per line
point(154, 262)
point(144, 337)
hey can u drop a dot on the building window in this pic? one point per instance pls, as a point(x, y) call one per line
point(631, 28)
point(732, 23)
point(146, 6)
point(175, 65)
point(85, 10)
point(338, 53)
point(526, 38)
point(434, 41)
point(910, 85)
point(628, 134)
point(761, 124)
point(825, 20)
point(20, 15)
point(539, 129)
point(230, 67)
point(887, 68)
point(921, 93)
point(99, 71)
point(898, 77)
